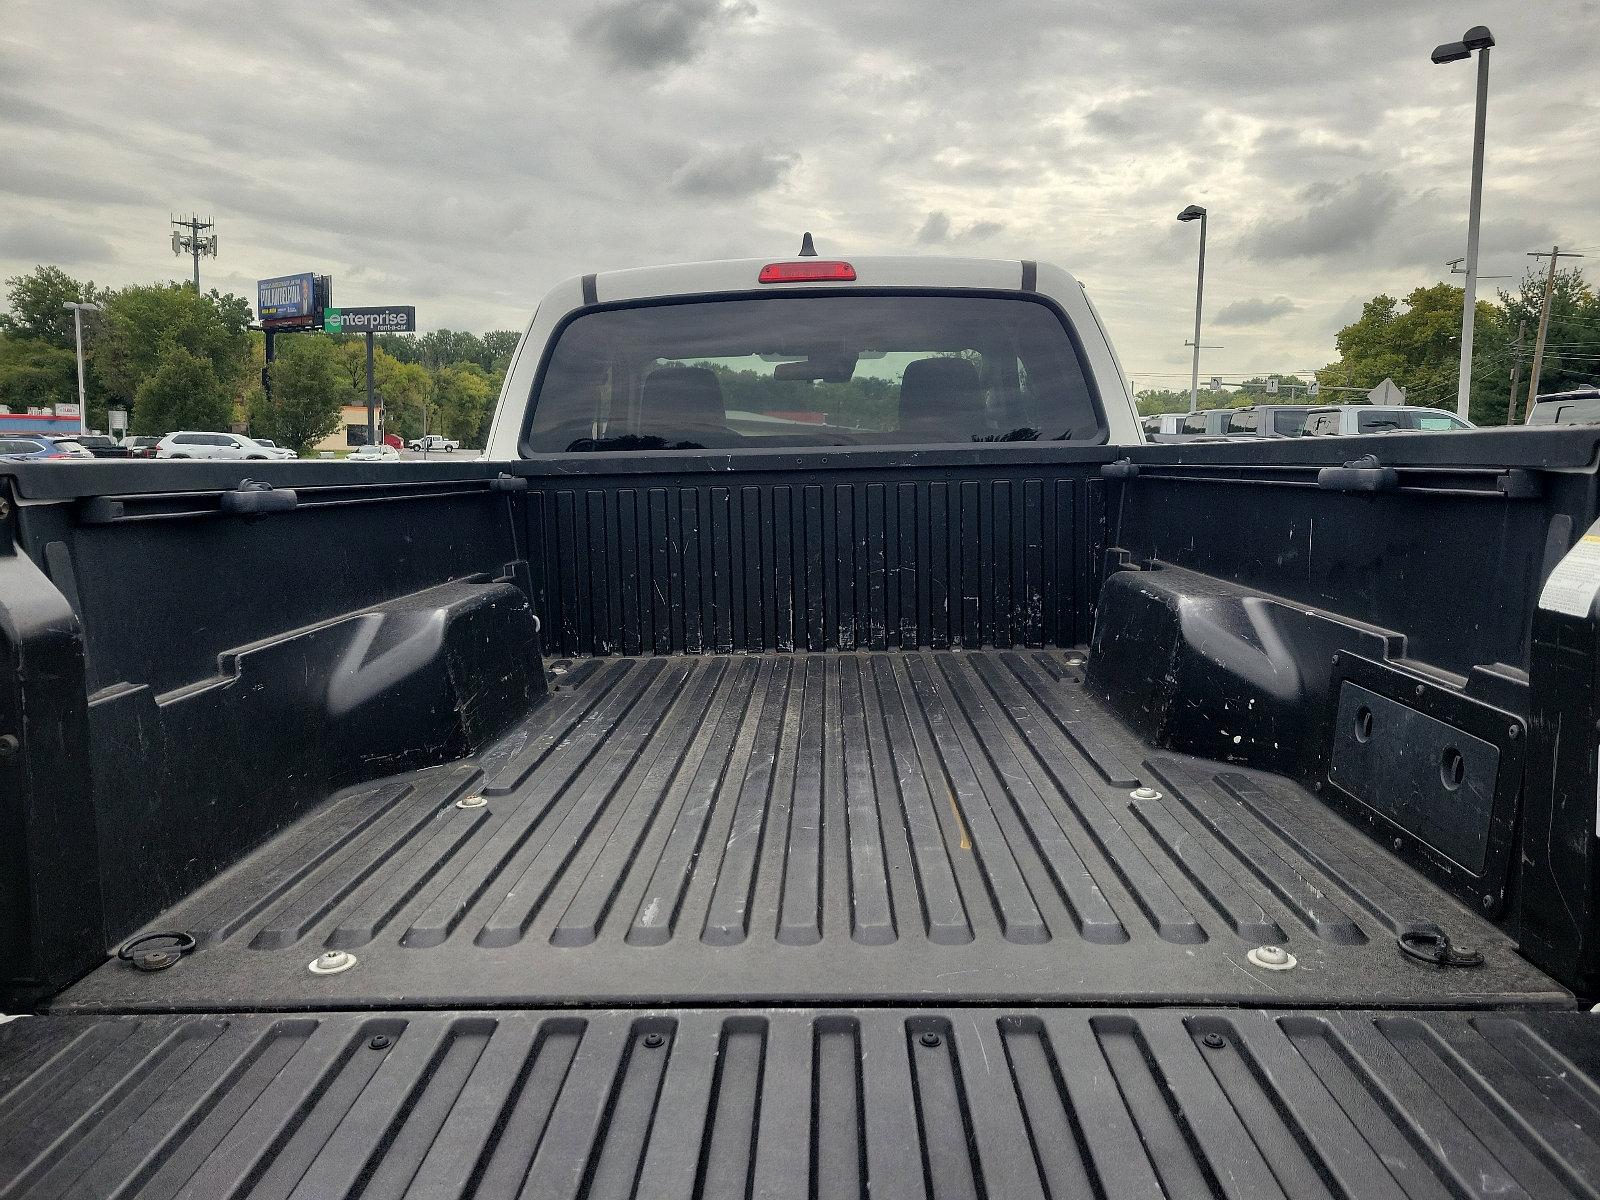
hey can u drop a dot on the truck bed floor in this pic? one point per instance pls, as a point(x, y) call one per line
point(939, 827)
point(802, 1104)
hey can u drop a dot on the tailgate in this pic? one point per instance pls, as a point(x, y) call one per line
point(795, 1103)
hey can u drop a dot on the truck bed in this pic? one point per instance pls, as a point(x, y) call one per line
point(790, 1104)
point(939, 827)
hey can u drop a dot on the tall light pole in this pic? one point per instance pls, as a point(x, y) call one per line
point(79, 307)
point(1195, 213)
point(1480, 39)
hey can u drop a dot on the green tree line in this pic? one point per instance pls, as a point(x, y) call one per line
point(1416, 341)
point(179, 360)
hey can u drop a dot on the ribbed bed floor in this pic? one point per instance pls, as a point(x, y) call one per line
point(826, 828)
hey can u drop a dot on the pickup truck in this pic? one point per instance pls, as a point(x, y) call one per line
point(1341, 420)
point(820, 752)
point(434, 441)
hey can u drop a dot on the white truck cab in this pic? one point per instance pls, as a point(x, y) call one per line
point(808, 352)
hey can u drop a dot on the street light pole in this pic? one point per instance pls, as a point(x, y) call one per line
point(1192, 213)
point(1480, 39)
point(78, 307)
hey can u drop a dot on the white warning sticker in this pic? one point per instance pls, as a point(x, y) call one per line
point(1574, 583)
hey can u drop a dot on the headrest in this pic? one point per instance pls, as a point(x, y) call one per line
point(941, 396)
point(678, 398)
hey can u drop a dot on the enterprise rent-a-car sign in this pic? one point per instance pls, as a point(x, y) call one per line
point(389, 318)
point(284, 297)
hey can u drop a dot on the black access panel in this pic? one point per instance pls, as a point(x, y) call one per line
point(1430, 772)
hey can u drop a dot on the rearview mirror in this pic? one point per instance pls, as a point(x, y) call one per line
point(829, 368)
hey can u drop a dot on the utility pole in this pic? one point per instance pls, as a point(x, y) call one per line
point(194, 242)
point(1556, 253)
point(1516, 373)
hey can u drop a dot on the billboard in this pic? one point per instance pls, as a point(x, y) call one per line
point(286, 297)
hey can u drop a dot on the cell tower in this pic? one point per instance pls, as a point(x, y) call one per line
point(194, 241)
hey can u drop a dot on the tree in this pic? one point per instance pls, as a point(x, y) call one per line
point(500, 345)
point(37, 305)
point(1572, 343)
point(33, 372)
point(144, 323)
point(1164, 400)
point(446, 347)
point(183, 392)
point(405, 389)
point(1420, 349)
point(463, 400)
point(309, 387)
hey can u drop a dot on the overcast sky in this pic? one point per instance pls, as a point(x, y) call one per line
point(463, 157)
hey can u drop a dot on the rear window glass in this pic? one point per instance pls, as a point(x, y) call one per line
point(1391, 418)
point(1288, 423)
point(813, 371)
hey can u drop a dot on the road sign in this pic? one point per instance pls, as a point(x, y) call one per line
point(388, 318)
point(1216, 383)
point(1388, 392)
point(1313, 388)
point(1272, 386)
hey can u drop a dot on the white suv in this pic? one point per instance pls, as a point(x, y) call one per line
point(186, 444)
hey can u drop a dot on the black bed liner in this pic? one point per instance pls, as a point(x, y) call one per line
point(794, 1103)
point(928, 827)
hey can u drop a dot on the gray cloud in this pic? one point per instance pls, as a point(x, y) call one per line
point(466, 157)
point(652, 34)
point(938, 231)
point(1138, 117)
point(50, 242)
point(1332, 220)
point(734, 173)
point(1255, 311)
point(935, 230)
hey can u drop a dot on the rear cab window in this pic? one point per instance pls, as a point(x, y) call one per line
point(882, 369)
point(1288, 423)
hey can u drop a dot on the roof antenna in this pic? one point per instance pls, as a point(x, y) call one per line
point(807, 248)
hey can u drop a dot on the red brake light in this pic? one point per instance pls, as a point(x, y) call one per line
point(811, 270)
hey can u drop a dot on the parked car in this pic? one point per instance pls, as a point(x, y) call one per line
point(1578, 407)
point(70, 446)
point(142, 445)
point(434, 442)
point(276, 450)
point(1183, 427)
point(101, 446)
point(18, 447)
point(1348, 419)
point(1273, 420)
point(379, 453)
point(203, 444)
